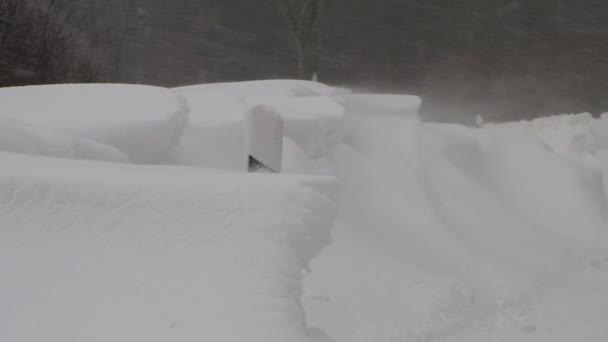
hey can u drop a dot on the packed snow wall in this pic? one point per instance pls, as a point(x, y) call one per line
point(97, 252)
point(456, 229)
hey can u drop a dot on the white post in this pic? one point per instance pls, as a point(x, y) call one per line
point(263, 139)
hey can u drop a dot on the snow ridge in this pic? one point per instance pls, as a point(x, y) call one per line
point(145, 123)
point(97, 252)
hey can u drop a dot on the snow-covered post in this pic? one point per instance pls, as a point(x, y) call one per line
point(263, 139)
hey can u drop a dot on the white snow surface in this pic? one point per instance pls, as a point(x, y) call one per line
point(143, 122)
point(313, 119)
point(462, 234)
point(382, 104)
point(264, 88)
point(444, 233)
point(18, 137)
point(113, 252)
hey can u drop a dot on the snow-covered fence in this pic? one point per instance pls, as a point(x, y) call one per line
point(263, 139)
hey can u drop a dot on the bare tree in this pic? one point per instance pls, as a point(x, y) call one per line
point(304, 19)
point(40, 42)
point(126, 10)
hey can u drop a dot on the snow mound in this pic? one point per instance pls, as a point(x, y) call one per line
point(295, 160)
point(114, 252)
point(279, 88)
point(314, 123)
point(565, 134)
point(214, 145)
point(599, 130)
point(213, 108)
point(568, 135)
point(463, 224)
point(143, 122)
point(18, 137)
point(499, 215)
point(312, 119)
point(403, 105)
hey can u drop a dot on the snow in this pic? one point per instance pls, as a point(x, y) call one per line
point(111, 252)
point(570, 136)
point(142, 122)
point(385, 104)
point(18, 137)
point(213, 145)
point(449, 233)
point(311, 120)
point(295, 160)
point(314, 123)
point(599, 131)
point(264, 88)
point(442, 232)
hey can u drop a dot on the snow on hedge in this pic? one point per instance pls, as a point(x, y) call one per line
point(264, 88)
point(114, 252)
point(382, 104)
point(145, 123)
point(22, 138)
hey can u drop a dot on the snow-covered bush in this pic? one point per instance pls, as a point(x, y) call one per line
point(144, 123)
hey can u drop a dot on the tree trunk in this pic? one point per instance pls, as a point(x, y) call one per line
point(307, 59)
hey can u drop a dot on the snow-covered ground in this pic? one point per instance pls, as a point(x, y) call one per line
point(111, 252)
point(313, 120)
point(144, 123)
point(440, 232)
point(449, 233)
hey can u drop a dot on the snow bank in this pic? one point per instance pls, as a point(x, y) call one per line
point(383, 104)
point(213, 145)
point(213, 107)
point(18, 137)
point(445, 233)
point(503, 192)
point(567, 135)
point(265, 88)
point(295, 160)
point(312, 119)
point(570, 136)
point(470, 224)
point(599, 131)
point(143, 122)
point(113, 252)
point(314, 123)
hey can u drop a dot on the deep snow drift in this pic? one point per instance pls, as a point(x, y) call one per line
point(23, 138)
point(111, 252)
point(313, 120)
point(443, 232)
point(462, 234)
point(144, 123)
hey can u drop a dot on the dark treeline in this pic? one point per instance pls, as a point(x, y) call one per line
point(499, 58)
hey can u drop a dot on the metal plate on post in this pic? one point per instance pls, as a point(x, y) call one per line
point(263, 139)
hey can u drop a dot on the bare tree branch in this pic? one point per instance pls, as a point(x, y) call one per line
point(289, 12)
point(40, 42)
point(303, 17)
